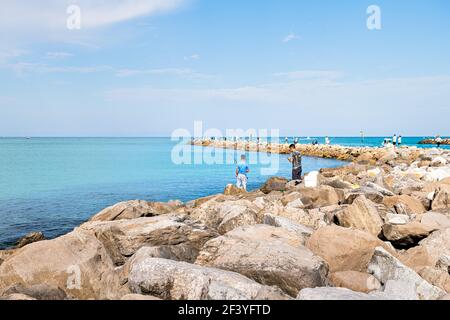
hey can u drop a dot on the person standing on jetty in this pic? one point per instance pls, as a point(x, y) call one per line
point(241, 173)
point(438, 141)
point(296, 160)
point(399, 141)
point(394, 140)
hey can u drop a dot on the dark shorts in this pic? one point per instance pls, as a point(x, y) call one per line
point(297, 173)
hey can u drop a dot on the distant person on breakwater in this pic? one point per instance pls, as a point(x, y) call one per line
point(296, 160)
point(394, 140)
point(438, 141)
point(399, 141)
point(327, 141)
point(241, 173)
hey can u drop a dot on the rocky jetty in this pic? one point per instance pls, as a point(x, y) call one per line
point(377, 228)
point(433, 141)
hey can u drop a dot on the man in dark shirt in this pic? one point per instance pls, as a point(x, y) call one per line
point(296, 160)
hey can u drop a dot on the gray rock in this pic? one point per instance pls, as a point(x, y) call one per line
point(285, 223)
point(385, 267)
point(168, 279)
point(269, 255)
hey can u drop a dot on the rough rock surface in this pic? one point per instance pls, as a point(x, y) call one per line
point(30, 238)
point(167, 279)
point(354, 280)
point(268, 255)
point(386, 268)
point(344, 249)
point(124, 237)
point(77, 263)
point(136, 209)
point(406, 235)
point(362, 215)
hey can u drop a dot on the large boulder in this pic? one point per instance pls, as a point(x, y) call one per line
point(39, 291)
point(404, 204)
point(123, 238)
point(437, 277)
point(274, 184)
point(435, 220)
point(135, 209)
point(386, 267)
point(354, 280)
point(407, 235)
point(288, 224)
point(437, 245)
point(76, 263)
point(342, 248)
point(269, 255)
point(172, 280)
point(227, 215)
point(321, 196)
point(362, 215)
point(232, 190)
point(30, 238)
point(441, 201)
point(367, 192)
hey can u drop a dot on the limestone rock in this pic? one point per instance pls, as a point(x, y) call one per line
point(386, 268)
point(274, 184)
point(380, 189)
point(362, 215)
point(172, 280)
point(396, 219)
point(269, 255)
point(442, 199)
point(404, 204)
point(321, 196)
point(232, 190)
point(30, 238)
point(437, 244)
point(39, 291)
point(406, 235)
point(356, 281)
point(135, 209)
point(342, 248)
point(227, 215)
point(435, 220)
point(17, 297)
point(77, 263)
point(287, 224)
point(369, 193)
point(123, 238)
point(437, 277)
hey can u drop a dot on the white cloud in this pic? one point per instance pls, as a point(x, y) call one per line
point(11, 54)
point(310, 74)
point(58, 55)
point(291, 36)
point(52, 14)
point(194, 56)
point(21, 68)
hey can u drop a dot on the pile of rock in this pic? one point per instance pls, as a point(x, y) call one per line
point(370, 230)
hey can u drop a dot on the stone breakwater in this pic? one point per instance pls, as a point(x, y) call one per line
point(377, 228)
point(433, 141)
point(356, 154)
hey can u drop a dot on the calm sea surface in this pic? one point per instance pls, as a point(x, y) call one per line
point(54, 184)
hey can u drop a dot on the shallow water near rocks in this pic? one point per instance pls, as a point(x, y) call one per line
point(54, 184)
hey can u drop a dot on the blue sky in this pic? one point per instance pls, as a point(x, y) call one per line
point(148, 67)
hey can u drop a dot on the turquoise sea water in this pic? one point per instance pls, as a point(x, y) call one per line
point(54, 184)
